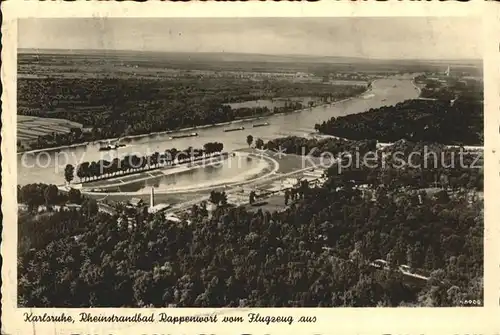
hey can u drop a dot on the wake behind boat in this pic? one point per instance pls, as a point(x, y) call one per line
point(233, 129)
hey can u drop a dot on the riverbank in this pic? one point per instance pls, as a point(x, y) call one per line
point(117, 181)
point(415, 85)
point(265, 173)
point(188, 163)
point(474, 147)
point(214, 125)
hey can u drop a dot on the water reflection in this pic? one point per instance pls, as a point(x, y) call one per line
point(232, 170)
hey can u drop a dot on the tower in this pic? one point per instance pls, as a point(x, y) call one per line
point(152, 197)
point(448, 71)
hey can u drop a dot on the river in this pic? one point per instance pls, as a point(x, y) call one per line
point(48, 167)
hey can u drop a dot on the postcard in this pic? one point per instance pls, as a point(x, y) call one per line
point(250, 168)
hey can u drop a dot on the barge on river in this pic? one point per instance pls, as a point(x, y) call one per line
point(183, 136)
point(111, 147)
point(261, 124)
point(234, 129)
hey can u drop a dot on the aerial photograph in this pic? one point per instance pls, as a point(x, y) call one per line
point(250, 162)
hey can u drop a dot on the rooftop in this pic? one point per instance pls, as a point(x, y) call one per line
point(135, 201)
point(158, 208)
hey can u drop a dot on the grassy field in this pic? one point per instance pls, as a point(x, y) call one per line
point(172, 199)
point(29, 128)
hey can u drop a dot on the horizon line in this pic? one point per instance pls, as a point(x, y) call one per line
point(250, 53)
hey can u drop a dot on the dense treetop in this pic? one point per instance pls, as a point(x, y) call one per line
point(414, 120)
point(314, 253)
point(131, 164)
point(449, 88)
point(416, 165)
point(118, 107)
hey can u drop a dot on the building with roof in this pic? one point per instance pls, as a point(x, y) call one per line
point(173, 218)
point(156, 208)
point(136, 202)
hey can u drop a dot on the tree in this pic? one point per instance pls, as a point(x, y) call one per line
point(218, 198)
point(83, 171)
point(214, 197)
point(442, 196)
point(77, 132)
point(51, 194)
point(69, 172)
point(223, 198)
point(249, 140)
point(287, 196)
point(444, 181)
point(91, 207)
point(303, 187)
point(259, 143)
point(74, 196)
point(318, 233)
point(251, 197)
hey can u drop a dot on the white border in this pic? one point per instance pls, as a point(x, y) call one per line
point(339, 320)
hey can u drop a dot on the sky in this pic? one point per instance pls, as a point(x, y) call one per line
point(383, 38)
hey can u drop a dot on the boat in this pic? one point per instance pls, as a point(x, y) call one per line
point(183, 135)
point(110, 146)
point(233, 129)
point(384, 99)
point(106, 148)
point(261, 124)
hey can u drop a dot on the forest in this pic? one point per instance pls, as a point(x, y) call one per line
point(35, 195)
point(117, 107)
point(411, 164)
point(451, 88)
point(415, 120)
point(316, 147)
point(313, 253)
